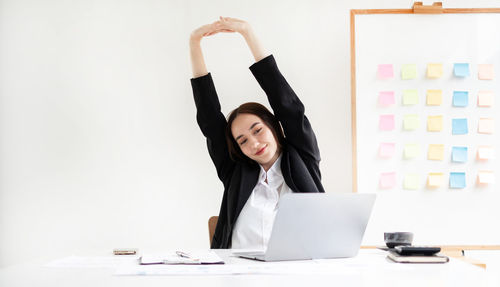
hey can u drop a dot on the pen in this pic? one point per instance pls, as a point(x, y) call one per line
point(182, 254)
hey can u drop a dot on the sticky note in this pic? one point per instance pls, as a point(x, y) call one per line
point(411, 181)
point(410, 97)
point(459, 154)
point(411, 151)
point(485, 99)
point(408, 71)
point(386, 98)
point(434, 71)
point(459, 127)
point(386, 149)
point(461, 70)
point(385, 71)
point(434, 97)
point(386, 122)
point(457, 179)
point(485, 72)
point(411, 122)
point(485, 126)
point(485, 177)
point(434, 123)
point(435, 152)
point(387, 180)
point(485, 153)
point(435, 179)
point(460, 98)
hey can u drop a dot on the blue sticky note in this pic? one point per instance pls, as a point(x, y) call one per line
point(459, 154)
point(460, 98)
point(461, 69)
point(457, 179)
point(459, 127)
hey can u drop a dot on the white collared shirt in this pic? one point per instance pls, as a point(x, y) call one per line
point(255, 222)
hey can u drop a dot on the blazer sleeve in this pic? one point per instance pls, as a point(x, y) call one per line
point(287, 107)
point(212, 123)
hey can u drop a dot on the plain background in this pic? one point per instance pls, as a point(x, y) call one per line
point(99, 147)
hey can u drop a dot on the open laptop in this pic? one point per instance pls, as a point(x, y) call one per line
point(315, 226)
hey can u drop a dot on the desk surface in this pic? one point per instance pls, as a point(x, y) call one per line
point(369, 268)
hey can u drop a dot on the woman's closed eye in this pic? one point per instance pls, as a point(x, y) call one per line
point(243, 142)
point(257, 131)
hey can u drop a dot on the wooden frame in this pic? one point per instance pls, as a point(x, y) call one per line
point(418, 8)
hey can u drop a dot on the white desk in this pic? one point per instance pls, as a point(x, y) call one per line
point(369, 268)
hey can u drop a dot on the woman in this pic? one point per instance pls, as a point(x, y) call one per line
point(256, 160)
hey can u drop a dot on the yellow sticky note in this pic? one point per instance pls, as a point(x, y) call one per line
point(485, 99)
point(411, 151)
point(435, 179)
point(435, 152)
point(434, 71)
point(434, 97)
point(410, 97)
point(408, 71)
point(434, 123)
point(410, 122)
point(486, 126)
point(485, 177)
point(411, 181)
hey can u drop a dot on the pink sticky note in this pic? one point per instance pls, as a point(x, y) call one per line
point(385, 71)
point(386, 98)
point(485, 72)
point(386, 122)
point(485, 126)
point(387, 180)
point(386, 149)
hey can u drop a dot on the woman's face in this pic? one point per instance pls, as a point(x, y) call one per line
point(255, 139)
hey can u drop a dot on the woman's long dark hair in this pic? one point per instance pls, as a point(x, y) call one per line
point(267, 118)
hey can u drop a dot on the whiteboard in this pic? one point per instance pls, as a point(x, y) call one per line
point(443, 215)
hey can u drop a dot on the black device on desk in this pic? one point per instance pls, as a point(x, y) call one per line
point(416, 250)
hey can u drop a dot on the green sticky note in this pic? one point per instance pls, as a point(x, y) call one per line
point(409, 71)
point(411, 151)
point(410, 122)
point(411, 181)
point(410, 97)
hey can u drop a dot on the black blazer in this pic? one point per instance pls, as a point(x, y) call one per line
point(300, 160)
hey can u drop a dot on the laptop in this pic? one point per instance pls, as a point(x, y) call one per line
point(316, 226)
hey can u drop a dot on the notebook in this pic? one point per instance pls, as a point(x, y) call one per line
point(193, 258)
point(438, 258)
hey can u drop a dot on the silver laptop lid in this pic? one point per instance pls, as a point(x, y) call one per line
point(319, 225)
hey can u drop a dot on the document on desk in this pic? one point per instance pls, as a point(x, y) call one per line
point(191, 258)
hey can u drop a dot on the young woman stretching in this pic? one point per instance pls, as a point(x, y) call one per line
point(257, 159)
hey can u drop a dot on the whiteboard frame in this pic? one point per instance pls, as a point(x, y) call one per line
point(353, 14)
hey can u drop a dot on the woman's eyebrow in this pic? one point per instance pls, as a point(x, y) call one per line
point(251, 127)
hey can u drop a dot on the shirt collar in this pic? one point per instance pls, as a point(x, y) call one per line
point(274, 171)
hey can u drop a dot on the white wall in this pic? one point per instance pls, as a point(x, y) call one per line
point(99, 146)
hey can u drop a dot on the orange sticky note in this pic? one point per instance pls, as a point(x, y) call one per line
point(485, 177)
point(485, 72)
point(485, 99)
point(485, 152)
point(434, 97)
point(434, 71)
point(485, 126)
